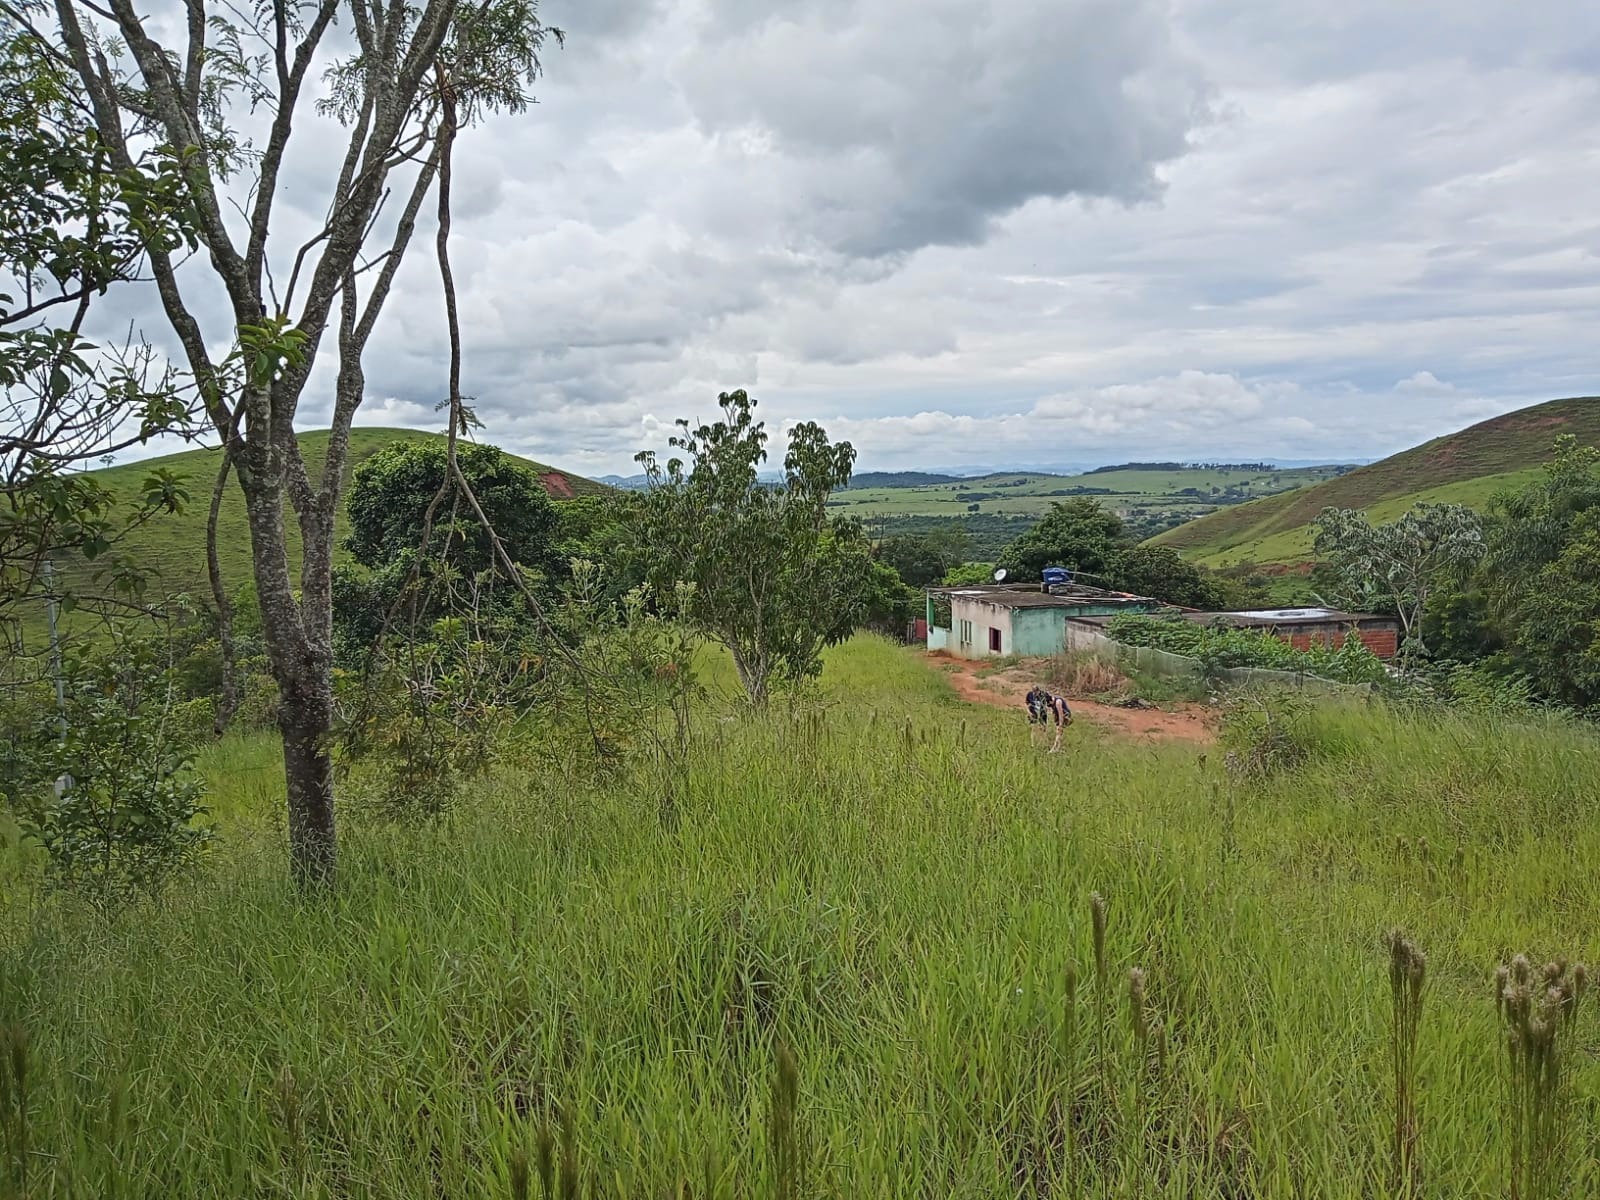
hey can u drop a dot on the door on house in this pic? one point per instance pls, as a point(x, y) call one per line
point(994, 640)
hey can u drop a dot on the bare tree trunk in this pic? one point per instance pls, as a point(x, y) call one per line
point(753, 675)
point(304, 723)
point(302, 669)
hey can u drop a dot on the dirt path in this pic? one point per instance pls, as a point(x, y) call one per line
point(1005, 689)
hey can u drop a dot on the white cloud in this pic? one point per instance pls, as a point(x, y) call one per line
point(1047, 228)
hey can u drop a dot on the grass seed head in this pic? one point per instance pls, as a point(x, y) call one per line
point(1138, 1012)
point(1097, 910)
point(545, 1153)
point(519, 1174)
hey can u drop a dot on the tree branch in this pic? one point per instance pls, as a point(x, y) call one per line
point(183, 130)
point(291, 80)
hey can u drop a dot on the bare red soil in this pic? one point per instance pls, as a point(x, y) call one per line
point(1191, 723)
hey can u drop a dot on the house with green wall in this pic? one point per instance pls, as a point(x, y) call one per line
point(1019, 619)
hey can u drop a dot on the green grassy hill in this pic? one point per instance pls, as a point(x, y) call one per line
point(1463, 468)
point(173, 547)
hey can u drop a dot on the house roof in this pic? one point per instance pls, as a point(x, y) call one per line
point(1266, 618)
point(1030, 596)
point(1286, 616)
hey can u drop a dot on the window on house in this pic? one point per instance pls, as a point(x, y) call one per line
point(966, 633)
point(994, 640)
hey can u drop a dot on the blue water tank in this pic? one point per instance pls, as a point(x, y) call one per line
point(1053, 576)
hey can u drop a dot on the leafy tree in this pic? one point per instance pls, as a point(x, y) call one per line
point(1078, 534)
point(595, 529)
point(969, 573)
point(1557, 626)
point(1542, 574)
point(73, 225)
point(892, 604)
point(1458, 626)
point(110, 795)
point(1160, 572)
point(924, 558)
point(1396, 567)
point(391, 495)
point(759, 568)
point(406, 491)
point(412, 75)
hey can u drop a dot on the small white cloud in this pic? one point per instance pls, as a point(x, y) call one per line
point(1424, 383)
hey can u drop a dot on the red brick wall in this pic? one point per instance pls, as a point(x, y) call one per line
point(1384, 642)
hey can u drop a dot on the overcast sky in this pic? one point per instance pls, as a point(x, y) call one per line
point(1024, 231)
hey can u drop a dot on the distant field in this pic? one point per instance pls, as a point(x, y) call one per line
point(1143, 498)
point(1465, 468)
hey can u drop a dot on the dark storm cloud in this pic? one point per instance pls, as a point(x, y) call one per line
point(905, 123)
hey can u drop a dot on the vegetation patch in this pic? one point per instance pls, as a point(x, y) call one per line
point(1215, 646)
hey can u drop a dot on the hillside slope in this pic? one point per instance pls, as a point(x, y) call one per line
point(173, 547)
point(1467, 467)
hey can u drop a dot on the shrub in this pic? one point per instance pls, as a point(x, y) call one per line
point(428, 715)
point(112, 800)
point(1085, 675)
point(1266, 733)
point(1479, 687)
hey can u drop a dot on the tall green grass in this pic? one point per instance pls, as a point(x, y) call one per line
point(860, 962)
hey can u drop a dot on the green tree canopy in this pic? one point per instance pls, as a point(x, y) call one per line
point(760, 568)
point(74, 224)
point(1542, 574)
point(1395, 568)
point(1079, 534)
point(921, 559)
point(1160, 572)
point(405, 587)
point(390, 495)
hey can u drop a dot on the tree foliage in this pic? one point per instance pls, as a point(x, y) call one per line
point(1090, 540)
point(73, 224)
point(391, 492)
point(422, 556)
point(107, 789)
point(760, 568)
point(171, 100)
point(1161, 572)
point(1079, 534)
point(969, 573)
point(921, 559)
point(1541, 574)
point(1395, 568)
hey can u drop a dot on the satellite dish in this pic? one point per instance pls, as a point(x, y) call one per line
point(1000, 575)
